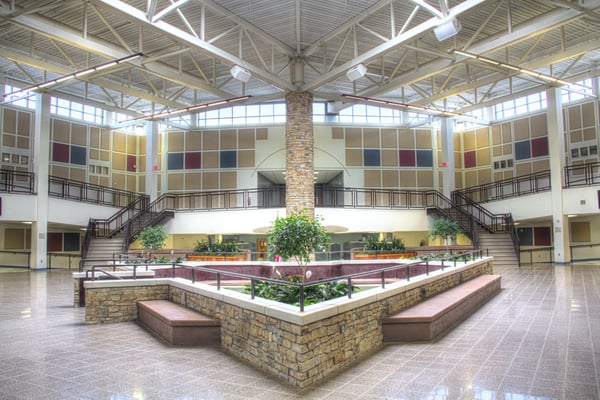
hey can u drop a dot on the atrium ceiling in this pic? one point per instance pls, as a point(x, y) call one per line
point(189, 48)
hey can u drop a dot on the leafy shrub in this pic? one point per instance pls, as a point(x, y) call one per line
point(152, 237)
point(396, 245)
point(218, 248)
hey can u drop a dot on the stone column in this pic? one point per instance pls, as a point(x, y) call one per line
point(152, 159)
point(299, 147)
point(447, 163)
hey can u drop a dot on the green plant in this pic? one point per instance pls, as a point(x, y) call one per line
point(210, 246)
point(152, 237)
point(296, 237)
point(290, 294)
point(396, 245)
point(445, 229)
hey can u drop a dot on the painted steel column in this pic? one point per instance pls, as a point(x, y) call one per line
point(299, 148)
point(41, 160)
point(152, 159)
point(447, 164)
point(556, 150)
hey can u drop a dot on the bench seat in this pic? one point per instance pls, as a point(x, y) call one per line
point(178, 325)
point(432, 318)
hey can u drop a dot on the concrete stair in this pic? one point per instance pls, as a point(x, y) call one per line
point(500, 246)
point(103, 249)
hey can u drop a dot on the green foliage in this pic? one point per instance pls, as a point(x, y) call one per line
point(445, 229)
point(218, 248)
point(296, 237)
point(152, 237)
point(291, 294)
point(396, 245)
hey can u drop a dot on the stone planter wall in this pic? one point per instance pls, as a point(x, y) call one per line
point(300, 348)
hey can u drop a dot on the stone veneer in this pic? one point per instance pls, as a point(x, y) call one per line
point(299, 150)
point(300, 348)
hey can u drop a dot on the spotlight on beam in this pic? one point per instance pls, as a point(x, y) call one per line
point(356, 72)
point(447, 29)
point(240, 73)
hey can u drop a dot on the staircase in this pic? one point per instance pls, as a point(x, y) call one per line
point(500, 246)
point(101, 249)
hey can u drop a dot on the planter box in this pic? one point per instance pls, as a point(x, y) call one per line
point(383, 256)
point(209, 257)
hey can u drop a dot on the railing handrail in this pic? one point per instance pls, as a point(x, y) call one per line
point(10, 181)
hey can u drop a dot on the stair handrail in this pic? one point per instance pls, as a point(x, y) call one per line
point(443, 205)
point(157, 209)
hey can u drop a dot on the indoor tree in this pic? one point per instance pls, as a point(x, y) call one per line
point(152, 237)
point(445, 229)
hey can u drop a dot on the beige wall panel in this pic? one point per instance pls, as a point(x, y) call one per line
point(372, 178)
point(8, 140)
point(61, 131)
point(175, 141)
point(540, 165)
point(94, 137)
point(105, 139)
point(228, 139)
point(406, 138)
point(588, 116)
point(77, 174)
point(193, 181)
point(471, 179)
point(507, 149)
point(482, 137)
point(132, 182)
point(389, 138)
point(22, 142)
point(423, 137)
point(337, 133)
point(353, 137)
point(576, 136)
point(193, 141)
point(94, 179)
point(484, 176)
point(354, 158)
point(246, 139)
point(210, 140)
point(498, 176)
point(9, 124)
point(228, 180)
point(132, 144)
point(496, 134)
point(262, 134)
point(24, 127)
point(246, 159)
point(14, 238)
point(456, 141)
point(389, 158)
point(521, 128)
point(506, 132)
point(469, 140)
point(104, 155)
point(497, 151)
point(508, 174)
point(371, 138)
point(79, 134)
point(118, 180)
point(458, 160)
point(425, 179)
point(210, 180)
point(119, 142)
point(59, 171)
point(539, 125)
point(589, 133)
point(141, 184)
point(483, 157)
point(119, 162)
point(581, 232)
point(389, 178)
point(141, 164)
point(574, 117)
point(408, 179)
point(210, 159)
point(523, 169)
point(175, 182)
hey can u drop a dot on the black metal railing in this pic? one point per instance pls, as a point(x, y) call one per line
point(582, 175)
point(16, 181)
point(69, 189)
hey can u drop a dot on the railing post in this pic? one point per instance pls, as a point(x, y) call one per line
point(252, 289)
point(301, 297)
point(349, 287)
point(383, 279)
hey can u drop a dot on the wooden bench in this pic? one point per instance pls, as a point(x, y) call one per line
point(177, 324)
point(434, 317)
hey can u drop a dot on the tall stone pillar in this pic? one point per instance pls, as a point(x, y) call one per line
point(556, 150)
point(41, 160)
point(152, 159)
point(299, 148)
point(447, 163)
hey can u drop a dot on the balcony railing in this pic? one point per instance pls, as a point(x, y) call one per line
point(16, 181)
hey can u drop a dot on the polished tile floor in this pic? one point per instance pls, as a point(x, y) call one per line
point(538, 339)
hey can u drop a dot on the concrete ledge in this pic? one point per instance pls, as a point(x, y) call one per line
point(432, 318)
point(178, 325)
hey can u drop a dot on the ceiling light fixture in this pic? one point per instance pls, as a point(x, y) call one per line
point(240, 73)
point(447, 29)
point(167, 114)
point(73, 75)
point(427, 110)
point(356, 72)
point(547, 78)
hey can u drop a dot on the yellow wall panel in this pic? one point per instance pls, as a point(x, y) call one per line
point(589, 117)
point(79, 134)
point(119, 142)
point(408, 179)
point(9, 124)
point(482, 137)
point(175, 182)
point(210, 180)
point(406, 138)
point(469, 140)
point(118, 181)
point(14, 238)
point(175, 141)
point(372, 178)
point(354, 158)
point(389, 138)
point(24, 128)
point(246, 138)
point(389, 158)
point(389, 178)
point(483, 157)
point(77, 174)
point(521, 128)
point(210, 140)
point(228, 139)
point(228, 180)
point(193, 181)
point(425, 179)
point(539, 125)
point(353, 137)
point(523, 169)
point(61, 131)
point(246, 159)
point(59, 171)
point(210, 159)
point(371, 138)
point(574, 117)
point(423, 137)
